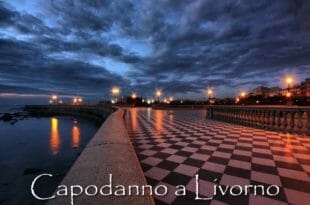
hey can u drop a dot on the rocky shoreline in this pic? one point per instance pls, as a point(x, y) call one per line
point(14, 117)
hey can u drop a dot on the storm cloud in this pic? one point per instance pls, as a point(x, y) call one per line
point(183, 47)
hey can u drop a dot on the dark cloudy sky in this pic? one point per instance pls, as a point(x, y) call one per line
point(183, 47)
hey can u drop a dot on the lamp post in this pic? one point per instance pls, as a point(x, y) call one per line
point(133, 95)
point(115, 92)
point(242, 94)
point(53, 99)
point(209, 92)
point(289, 81)
point(237, 100)
point(158, 94)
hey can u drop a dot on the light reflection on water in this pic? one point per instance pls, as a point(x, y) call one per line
point(47, 144)
point(55, 138)
point(159, 116)
point(133, 114)
point(75, 136)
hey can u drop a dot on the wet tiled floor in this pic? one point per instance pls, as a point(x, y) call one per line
point(174, 146)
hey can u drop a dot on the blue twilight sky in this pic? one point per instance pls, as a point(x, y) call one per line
point(79, 47)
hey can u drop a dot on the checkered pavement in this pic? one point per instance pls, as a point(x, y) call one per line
point(173, 146)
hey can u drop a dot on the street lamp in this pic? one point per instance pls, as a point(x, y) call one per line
point(133, 95)
point(115, 92)
point(243, 94)
point(158, 94)
point(75, 100)
point(54, 97)
point(237, 100)
point(289, 80)
point(209, 93)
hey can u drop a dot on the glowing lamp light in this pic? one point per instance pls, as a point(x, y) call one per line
point(171, 99)
point(243, 94)
point(54, 97)
point(288, 94)
point(133, 95)
point(115, 91)
point(237, 100)
point(158, 93)
point(210, 91)
point(60, 102)
point(75, 100)
point(50, 102)
point(80, 99)
point(289, 80)
point(148, 101)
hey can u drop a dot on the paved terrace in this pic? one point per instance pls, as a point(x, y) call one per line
point(173, 146)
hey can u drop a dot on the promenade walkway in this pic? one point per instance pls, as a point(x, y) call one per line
point(174, 146)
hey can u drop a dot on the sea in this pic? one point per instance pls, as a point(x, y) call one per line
point(32, 146)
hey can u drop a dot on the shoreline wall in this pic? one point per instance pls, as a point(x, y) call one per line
point(109, 152)
point(95, 113)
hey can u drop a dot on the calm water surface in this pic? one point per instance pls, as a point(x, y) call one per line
point(39, 145)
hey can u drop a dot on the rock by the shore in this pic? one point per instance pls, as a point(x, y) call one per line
point(6, 117)
point(14, 117)
point(30, 171)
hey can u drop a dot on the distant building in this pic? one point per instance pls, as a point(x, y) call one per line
point(305, 88)
point(302, 90)
point(266, 92)
point(294, 91)
point(274, 91)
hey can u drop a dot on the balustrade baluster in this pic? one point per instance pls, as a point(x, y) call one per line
point(300, 122)
point(268, 122)
point(273, 120)
point(238, 115)
point(292, 122)
point(278, 120)
point(263, 119)
point(242, 117)
point(228, 116)
point(246, 117)
point(285, 124)
point(258, 119)
point(308, 126)
point(253, 118)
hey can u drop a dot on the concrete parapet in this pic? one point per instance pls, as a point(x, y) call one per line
point(109, 152)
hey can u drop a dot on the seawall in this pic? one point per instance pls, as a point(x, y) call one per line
point(109, 152)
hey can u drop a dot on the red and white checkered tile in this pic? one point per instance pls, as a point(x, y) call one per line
point(174, 146)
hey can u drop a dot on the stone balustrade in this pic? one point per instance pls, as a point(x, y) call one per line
point(286, 119)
